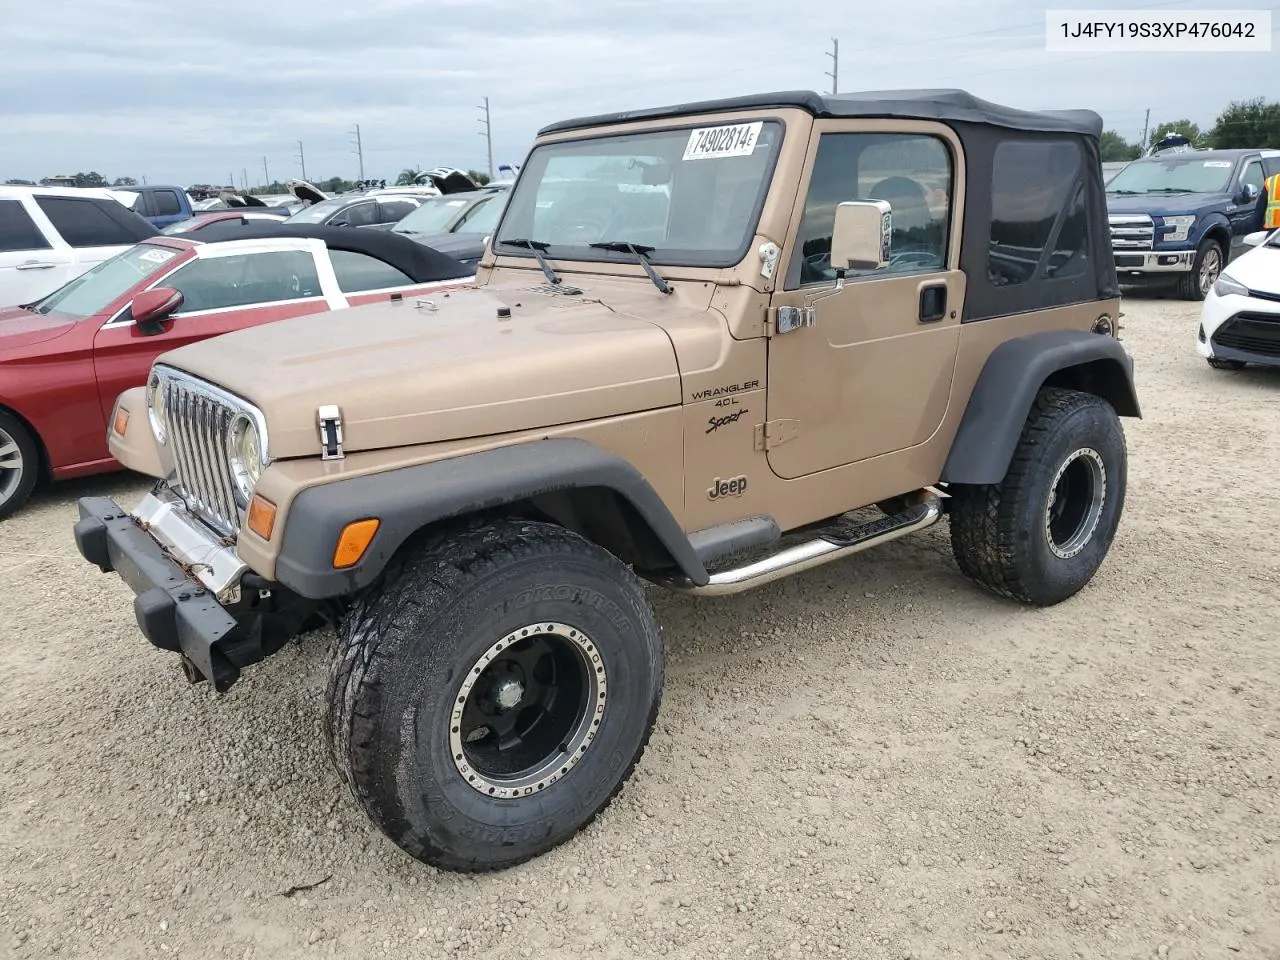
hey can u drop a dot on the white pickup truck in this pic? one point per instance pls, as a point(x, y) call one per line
point(50, 235)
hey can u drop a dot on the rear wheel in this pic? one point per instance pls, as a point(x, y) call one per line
point(494, 692)
point(19, 464)
point(1205, 270)
point(1041, 534)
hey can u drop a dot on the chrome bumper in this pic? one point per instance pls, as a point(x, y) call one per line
point(1168, 261)
point(197, 549)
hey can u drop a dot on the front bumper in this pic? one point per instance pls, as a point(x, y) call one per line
point(174, 610)
point(1159, 261)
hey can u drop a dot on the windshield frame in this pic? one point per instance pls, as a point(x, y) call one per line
point(680, 259)
point(1178, 160)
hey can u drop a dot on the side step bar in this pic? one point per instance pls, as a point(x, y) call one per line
point(814, 553)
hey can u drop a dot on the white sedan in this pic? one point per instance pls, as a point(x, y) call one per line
point(1240, 319)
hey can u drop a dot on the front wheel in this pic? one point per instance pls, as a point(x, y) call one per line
point(494, 692)
point(1205, 270)
point(1041, 533)
point(19, 464)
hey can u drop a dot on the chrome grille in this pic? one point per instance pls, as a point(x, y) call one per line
point(198, 419)
point(1131, 231)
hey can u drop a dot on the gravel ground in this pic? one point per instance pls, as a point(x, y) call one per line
point(872, 759)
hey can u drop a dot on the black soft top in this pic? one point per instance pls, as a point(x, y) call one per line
point(954, 105)
point(420, 263)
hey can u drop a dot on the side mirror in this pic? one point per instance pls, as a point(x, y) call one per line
point(1256, 239)
point(860, 235)
point(152, 308)
point(1249, 192)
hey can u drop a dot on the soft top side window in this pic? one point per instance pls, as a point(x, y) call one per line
point(1032, 184)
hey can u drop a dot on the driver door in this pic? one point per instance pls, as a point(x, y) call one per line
point(873, 374)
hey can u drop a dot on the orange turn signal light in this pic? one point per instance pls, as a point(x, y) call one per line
point(121, 423)
point(262, 516)
point(353, 542)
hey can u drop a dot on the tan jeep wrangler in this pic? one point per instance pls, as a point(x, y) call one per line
point(708, 346)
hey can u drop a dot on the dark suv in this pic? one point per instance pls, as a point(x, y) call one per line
point(1178, 218)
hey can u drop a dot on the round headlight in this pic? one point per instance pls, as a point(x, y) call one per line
point(155, 408)
point(246, 456)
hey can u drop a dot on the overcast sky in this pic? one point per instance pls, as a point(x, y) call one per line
point(192, 92)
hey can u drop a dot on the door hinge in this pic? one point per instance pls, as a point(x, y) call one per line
point(330, 419)
point(788, 319)
point(774, 433)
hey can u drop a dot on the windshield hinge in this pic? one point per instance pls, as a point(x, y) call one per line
point(788, 319)
point(330, 418)
point(774, 433)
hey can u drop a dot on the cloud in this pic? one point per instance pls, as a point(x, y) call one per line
point(192, 93)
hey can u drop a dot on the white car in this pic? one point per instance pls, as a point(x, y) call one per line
point(1240, 319)
point(51, 235)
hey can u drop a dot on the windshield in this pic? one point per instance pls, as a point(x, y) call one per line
point(319, 212)
point(434, 216)
point(692, 195)
point(1274, 239)
point(1173, 175)
point(483, 217)
point(92, 292)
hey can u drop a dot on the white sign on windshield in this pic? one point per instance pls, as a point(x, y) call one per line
point(735, 140)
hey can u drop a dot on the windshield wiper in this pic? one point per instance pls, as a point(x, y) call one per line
point(1167, 190)
point(537, 246)
point(641, 252)
point(1131, 193)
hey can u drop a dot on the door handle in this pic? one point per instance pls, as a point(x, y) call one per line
point(933, 302)
point(34, 265)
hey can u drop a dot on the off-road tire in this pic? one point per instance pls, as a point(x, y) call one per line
point(16, 484)
point(1189, 284)
point(1218, 363)
point(408, 645)
point(999, 532)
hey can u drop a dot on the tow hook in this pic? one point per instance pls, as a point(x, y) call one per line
point(191, 671)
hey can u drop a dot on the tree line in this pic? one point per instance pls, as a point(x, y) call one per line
point(1244, 124)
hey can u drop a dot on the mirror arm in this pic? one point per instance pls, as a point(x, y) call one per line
point(813, 298)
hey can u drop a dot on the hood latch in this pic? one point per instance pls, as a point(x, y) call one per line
point(330, 418)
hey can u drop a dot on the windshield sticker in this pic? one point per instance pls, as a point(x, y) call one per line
point(1217, 163)
point(158, 256)
point(736, 140)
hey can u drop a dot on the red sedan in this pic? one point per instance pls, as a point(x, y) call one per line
point(65, 358)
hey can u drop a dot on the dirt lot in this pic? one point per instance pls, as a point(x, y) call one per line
point(872, 759)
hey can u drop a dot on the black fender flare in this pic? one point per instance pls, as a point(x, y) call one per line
point(408, 499)
point(1007, 386)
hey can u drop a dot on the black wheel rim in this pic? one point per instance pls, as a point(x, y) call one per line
point(1076, 500)
point(528, 710)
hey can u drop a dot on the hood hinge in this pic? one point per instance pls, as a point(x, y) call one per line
point(774, 433)
point(330, 419)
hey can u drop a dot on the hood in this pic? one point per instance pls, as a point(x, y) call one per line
point(1165, 204)
point(460, 246)
point(406, 375)
point(449, 180)
point(306, 192)
point(21, 328)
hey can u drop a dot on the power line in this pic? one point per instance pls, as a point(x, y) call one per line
point(359, 151)
point(487, 133)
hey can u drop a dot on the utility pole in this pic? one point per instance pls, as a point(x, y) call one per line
point(302, 160)
point(834, 72)
point(266, 177)
point(231, 180)
point(359, 150)
point(1145, 124)
point(244, 179)
point(487, 133)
